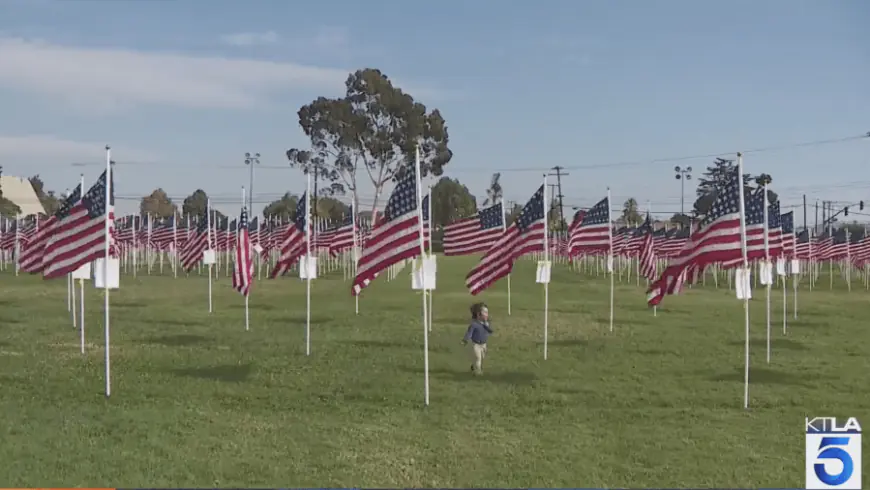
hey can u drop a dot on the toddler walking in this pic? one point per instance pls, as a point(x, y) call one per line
point(477, 333)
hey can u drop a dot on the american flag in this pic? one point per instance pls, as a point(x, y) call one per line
point(774, 230)
point(803, 246)
point(525, 235)
point(787, 226)
point(243, 268)
point(293, 245)
point(716, 240)
point(475, 234)
point(193, 248)
point(647, 257)
point(78, 236)
point(754, 231)
point(593, 233)
point(396, 236)
point(342, 239)
point(32, 255)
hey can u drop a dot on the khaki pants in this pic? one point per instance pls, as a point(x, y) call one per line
point(478, 354)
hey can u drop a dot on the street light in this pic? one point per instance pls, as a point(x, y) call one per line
point(683, 174)
point(251, 160)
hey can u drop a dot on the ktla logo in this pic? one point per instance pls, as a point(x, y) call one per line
point(833, 454)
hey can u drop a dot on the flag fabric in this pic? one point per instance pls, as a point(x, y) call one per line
point(243, 268)
point(475, 234)
point(78, 236)
point(786, 222)
point(593, 232)
point(343, 237)
point(717, 239)
point(647, 256)
point(395, 237)
point(525, 235)
point(32, 255)
point(293, 244)
point(755, 231)
point(194, 247)
point(774, 230)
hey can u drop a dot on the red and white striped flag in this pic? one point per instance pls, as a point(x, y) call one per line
point(193, 248)
point(293, 244)
point(525, 235)
point(78, 236)
point(31, 255)
point(647, 257)
point(475, 234)
point(396, 236)
point(243, 268)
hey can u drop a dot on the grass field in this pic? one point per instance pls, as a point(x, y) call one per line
point(199, 402)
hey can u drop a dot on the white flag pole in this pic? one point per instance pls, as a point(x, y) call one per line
point(357, 243)
point(503, 228)
point(107, 245)
point(610, 264)
point(655, 262)
point(431, 291)
point(308, 265)
point(81, 295)
point(546, 266)
point(247, 254)
point(174, 245)
point(208, 238)
point(794, 276)
point(742, 206)
point(422, 273)
point(767, 267)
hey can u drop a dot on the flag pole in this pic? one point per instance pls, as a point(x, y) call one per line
point(430, 292)
point(208, 239)
point(742, 206)
point(422, 274)
point(308, 265)
point(610, 255)
point(239, 230)
point(81, 297)
point(546, 272)
point(503, 228)
point(107, 244)
point(766, 268)
point(655, 262)
point(356, 243)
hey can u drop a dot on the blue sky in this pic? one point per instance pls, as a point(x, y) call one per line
point(182, 89)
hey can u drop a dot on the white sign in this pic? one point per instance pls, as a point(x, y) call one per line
point(307, 267)
point(424, 276)
point(83, 273)
point(742, 284)
point(107, 276)
point(781, 267)
point(795, 266)
point(258, 248)
point(208, 257)
point(765, 271)
point(542, 275)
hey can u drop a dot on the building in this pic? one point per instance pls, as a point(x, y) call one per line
point(20, 192)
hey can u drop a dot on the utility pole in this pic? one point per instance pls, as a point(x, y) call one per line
point(816, 226)
point(559, 175)
point(552, 189)
point(251, 160)
point(683, 174)
point(805, 211)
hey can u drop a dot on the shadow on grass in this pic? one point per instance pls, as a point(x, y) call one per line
point(779, 343)
point(231, 373)
point(566, 343)
point(177, 340)
point(391, 345)
point(254, 307)
point(759, 375)
point(175, 322)
point(516, 378)
point(10, 321)
point(300, 320)
point(129, 304)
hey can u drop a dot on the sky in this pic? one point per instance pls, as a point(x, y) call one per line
point(617, 92)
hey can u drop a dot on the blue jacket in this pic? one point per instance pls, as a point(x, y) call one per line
point(478, 332)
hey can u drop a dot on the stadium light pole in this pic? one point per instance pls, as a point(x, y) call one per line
point(683, 174)
point(251, 160)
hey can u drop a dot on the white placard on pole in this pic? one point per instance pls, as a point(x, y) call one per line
point(208, 257)
point(307, 267)
point(424, 276)
point(107, 277)
point(781, 267)
point(258, 248)
point(795, 266)
point(83, 273)
point(765, 271)
point(742, 283)
point(542, 275)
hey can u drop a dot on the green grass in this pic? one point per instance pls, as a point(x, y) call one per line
point(199, 402)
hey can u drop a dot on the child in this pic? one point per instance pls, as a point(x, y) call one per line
point(477, 333)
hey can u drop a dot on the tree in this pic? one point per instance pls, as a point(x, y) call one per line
point(494, 193)
point(49, 201)
point(375, 125)
point(714, 177)
point(684, 220)
point(284, 208)
point(330, 208)
point(451, 201)
point(630, 213)
point(157, 204)
point(8, 208)
point(511, 215)
point(554, 219)
point(195, 204)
